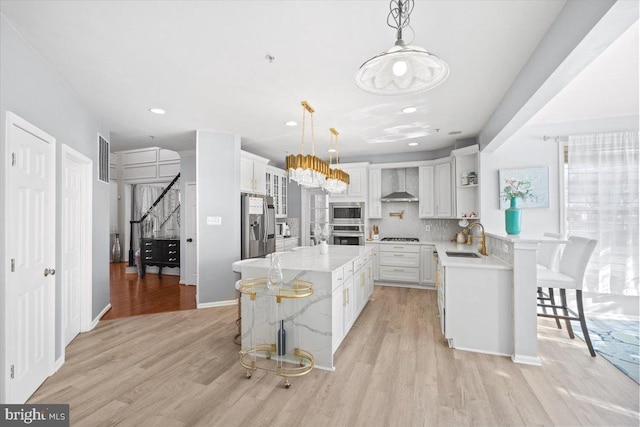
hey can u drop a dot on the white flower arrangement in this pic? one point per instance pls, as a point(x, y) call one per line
point(514, 188)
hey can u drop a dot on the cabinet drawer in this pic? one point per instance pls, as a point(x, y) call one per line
point(400, 259)
point(400, 274)
point(400, 248)
point(348, 270)
point(357, 264)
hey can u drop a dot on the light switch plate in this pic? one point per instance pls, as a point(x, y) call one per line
point(214, 220)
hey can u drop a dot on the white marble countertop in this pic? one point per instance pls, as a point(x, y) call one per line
point(421, 242)
point(488, 261)
point(309, 258)
point(526, 238)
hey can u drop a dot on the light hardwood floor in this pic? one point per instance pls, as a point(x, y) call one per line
point(393, 369)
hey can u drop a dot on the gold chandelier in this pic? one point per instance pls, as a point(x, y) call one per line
point(337, 180)
point(307, 170)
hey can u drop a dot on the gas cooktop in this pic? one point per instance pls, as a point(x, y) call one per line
point(399, 239)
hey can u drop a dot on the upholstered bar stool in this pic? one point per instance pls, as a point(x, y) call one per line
point(573, 264)
point(546, 259)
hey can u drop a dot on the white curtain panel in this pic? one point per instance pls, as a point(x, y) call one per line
point(602, 204)
point(164, 219)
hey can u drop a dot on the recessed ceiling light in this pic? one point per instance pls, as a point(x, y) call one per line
point(291, 123)
point(409, 110)
point(455, 132)
point(331, 150)
point(157, 110)
point(413, 144)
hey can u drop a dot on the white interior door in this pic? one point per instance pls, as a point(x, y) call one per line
point(191, 234)
point(30, 284)
point(75, 268)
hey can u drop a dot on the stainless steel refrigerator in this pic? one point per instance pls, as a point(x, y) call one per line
point(258, 226)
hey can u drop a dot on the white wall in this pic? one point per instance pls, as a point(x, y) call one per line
point(218, 192)
point(520, 153)
point(30, 88)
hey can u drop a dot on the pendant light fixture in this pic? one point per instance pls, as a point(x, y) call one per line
point(403, 68)
point(309, 170)
point(337, 180)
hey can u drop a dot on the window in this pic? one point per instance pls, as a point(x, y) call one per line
point(601, 202)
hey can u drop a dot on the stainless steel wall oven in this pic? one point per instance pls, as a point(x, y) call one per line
point(347, 222)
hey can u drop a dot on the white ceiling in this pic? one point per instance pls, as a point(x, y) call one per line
point(204, 62)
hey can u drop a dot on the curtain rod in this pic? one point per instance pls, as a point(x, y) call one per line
point(557, 138)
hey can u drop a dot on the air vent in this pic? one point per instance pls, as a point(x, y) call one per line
point(103, 160)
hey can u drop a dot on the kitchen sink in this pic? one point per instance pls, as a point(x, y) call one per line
point(463, 254)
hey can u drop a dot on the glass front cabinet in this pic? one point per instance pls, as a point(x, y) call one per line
point(277, 188)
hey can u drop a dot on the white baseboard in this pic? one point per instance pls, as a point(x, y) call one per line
point(58, 364)
point(429, 286)
point(218, 304)
point(102, 313)
point(526, 360)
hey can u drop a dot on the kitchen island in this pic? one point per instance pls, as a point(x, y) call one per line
point(342, 284)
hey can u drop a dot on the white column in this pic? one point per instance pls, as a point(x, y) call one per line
point(525, 320)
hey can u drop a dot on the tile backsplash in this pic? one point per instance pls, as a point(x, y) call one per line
point(411, 225)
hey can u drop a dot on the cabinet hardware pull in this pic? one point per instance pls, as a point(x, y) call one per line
point(173, 259)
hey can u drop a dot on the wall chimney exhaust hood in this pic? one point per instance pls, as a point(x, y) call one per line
point(401, 195)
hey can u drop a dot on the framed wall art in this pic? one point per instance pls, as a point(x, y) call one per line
point(538, 177)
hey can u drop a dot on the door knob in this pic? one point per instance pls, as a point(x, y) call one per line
point(189, 240)
point(49, 271)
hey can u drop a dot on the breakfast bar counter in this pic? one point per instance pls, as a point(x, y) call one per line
point(342, 284)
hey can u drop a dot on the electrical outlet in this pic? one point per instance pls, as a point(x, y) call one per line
point(427, 227)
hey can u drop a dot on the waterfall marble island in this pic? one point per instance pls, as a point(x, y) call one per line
point(342, 284)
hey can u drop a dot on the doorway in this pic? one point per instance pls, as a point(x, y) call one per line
point(191, 234)
point(29, 297)
point(75, 244)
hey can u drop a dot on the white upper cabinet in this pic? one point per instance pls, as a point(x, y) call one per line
point(374, 205)
point(443, 190)
point(253, 173)
point(466, 181)
point(426, 203)
point(435, 193)
point(357, 188)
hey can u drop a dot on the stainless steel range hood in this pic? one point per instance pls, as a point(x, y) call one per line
point(401, 195)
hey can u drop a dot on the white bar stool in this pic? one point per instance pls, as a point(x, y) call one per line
point(573, 264)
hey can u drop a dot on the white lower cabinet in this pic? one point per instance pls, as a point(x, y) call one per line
point(427, 265)
point(399, 263)
point(476, 308)
point(286, 244)
point(352, 288)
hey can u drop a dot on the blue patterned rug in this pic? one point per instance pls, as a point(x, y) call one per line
point(617, 341)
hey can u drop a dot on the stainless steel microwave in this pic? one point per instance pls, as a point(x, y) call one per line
point(346, 213)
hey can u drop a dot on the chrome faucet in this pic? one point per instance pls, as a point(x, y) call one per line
point(483, 244)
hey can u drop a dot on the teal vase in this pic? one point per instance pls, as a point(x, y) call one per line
point(513, 217)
